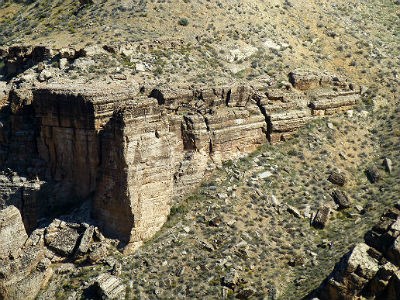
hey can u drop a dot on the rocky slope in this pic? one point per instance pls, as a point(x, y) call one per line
point(136, 150)
point(113, 113)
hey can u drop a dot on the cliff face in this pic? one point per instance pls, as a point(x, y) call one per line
point(132, 152)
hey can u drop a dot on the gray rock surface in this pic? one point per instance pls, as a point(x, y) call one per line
point(109, 287)
point(12, 232)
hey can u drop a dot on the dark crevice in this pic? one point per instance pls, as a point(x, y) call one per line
point(228, 97)
point(206, 121)
point(267, 119)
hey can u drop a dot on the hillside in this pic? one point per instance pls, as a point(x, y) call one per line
point(186, 149)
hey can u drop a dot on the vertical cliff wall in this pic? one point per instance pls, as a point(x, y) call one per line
point(67, 139)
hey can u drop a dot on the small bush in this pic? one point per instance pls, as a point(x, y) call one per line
point(183, 22)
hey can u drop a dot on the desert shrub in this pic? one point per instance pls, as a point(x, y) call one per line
point(183, 22)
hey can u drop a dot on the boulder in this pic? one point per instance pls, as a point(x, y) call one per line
point(97, 252)
point(62, 239)
point(371, 269)
point(341, 199)
point(109, 287)
point(373, 174)
point(337, 178)
point(12, 231)
point(321, 217)
point(294, 211)
point(86, 240)
point(350, 275)
point(387, 163)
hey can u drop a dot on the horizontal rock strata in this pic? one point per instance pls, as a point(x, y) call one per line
point(132, 152)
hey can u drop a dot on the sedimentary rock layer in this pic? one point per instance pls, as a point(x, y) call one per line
point(134, 152)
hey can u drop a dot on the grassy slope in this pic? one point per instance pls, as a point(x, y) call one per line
point(339, 37)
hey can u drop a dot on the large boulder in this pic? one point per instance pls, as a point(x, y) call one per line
point(12, 232)
point(373, 174)
point(372, 269)
point(23, 275)
point(62, 238)
point(350, 275)
point(387, 163)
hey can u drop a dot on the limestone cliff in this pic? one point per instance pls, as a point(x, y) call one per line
point(133, 150)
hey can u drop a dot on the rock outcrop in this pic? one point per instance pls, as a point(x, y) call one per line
point(23, 265)
point(132, 152)
point(12, 232)
point(370, 269)
point(109, 287)
point(128, 151)
point(26, 262)
point(22, 193)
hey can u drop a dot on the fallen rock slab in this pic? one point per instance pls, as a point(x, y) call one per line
point(341, 199)
point(109, 287)
point(321, 217)
point(62, 240)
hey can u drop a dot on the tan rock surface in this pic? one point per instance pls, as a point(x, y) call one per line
point(12, 232)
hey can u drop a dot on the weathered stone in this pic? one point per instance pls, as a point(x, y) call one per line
point(373, 174)
point(28, 287)
point(368, 271)
point(109, 287)
point(12, 231)
point(294, 211)
point(337, 178)
point(23, 275)
point(341, 199)
point(62, 239)
point(98, 252)
point(85, 240)
point(322, 217)
point(387, 163)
